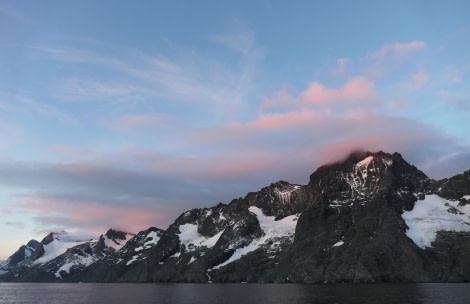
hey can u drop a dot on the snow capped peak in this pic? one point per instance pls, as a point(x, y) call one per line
point(55, 247)
point(64, 236)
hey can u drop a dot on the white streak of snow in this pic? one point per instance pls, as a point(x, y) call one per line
point(338, 244)
point(192, 260)
point(133, 259)
point(364, 163)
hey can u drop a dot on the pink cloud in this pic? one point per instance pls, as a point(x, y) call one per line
point(227, 167)
point(91, 216)
point(358, 90)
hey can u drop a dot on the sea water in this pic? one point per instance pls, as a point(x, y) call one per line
point(74, 293)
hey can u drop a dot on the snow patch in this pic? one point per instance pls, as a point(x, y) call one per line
point(467, 197)
point(364, 163)
point(117, 244)
point(338, 244)
point(434, 214)
point(133, 259)
point(272, 229)
point(191, 238)
point(192, 260)
point(82, 261)
point(153, 241)
point(176, 255)
point(27, 252)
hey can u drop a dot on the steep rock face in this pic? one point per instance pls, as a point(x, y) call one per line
point(354, 230)
point(280, 199)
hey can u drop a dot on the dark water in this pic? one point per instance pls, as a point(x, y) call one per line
point(234, 293)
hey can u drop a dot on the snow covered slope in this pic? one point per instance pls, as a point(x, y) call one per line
point(434, 214)
point(273, 233)
point(56, 244)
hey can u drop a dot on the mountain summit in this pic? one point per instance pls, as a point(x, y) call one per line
point(371, 217)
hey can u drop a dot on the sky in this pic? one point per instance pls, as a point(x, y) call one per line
point(123, 114)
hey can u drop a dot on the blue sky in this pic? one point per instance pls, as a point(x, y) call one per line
point(124, 114)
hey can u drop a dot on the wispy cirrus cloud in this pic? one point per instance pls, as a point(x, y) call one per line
point(242, 42)
point(16, 14)
point(456, 73)
point(74, 89)
point(390, 57)
point(138, 121)
point(185, 76)
point(22, 104)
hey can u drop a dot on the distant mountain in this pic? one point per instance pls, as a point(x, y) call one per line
point(20, 255)
point(371, 217)
point(59, 255)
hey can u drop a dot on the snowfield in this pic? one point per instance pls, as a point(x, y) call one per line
point(434, 214)
point(191, 238)
point(272, 230)
point(59, 245)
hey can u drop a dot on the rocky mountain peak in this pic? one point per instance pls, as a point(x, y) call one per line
point(115, 235)
point(365, 175)
point(32, 244)
point(279, 199)
point(48, 239)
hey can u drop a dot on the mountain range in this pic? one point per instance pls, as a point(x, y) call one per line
point(371, 217)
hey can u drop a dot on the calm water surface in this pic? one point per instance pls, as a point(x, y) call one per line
point(38, 293)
